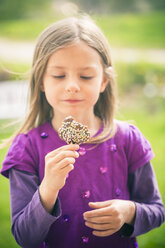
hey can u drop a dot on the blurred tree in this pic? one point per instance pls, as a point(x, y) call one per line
point(120, 5)
point(10, 9)
point(157, 4)
point(15, 9)
point(109, 6)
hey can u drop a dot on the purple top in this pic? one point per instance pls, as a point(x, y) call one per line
point(112, 170)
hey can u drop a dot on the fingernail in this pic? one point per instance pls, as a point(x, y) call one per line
point(77, 154)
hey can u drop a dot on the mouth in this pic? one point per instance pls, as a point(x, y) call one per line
point(73, 100)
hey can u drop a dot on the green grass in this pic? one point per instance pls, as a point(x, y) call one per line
point(24, 30)
point(152, 126)
point(142, 30)
point(6, 238)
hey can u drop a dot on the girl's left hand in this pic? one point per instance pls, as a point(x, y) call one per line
point(109, 216)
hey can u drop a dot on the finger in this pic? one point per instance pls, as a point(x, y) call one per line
point(104, 233)
point(101, 219)
point(71, 147)
point(97, 213)
point(101, 204)
point(64, 163)
point(67, 169)
point(96, 226)
point(62, 155)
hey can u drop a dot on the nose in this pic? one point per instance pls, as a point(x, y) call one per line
point(72, 86)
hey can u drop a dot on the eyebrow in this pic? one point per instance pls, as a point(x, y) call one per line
point(63, 67)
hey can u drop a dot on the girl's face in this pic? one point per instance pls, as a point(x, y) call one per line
point(73, 81)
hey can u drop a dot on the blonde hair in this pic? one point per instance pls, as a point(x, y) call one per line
point(59, 35)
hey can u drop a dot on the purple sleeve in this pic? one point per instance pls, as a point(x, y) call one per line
point(138, 149)
point(145, 193)
point(21, 150)
point(30, 221)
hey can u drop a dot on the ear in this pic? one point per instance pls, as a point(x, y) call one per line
point(104, 84)
point(42, 87)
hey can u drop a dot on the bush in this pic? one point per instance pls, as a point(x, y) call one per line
point(131, 75)
point(16, 9)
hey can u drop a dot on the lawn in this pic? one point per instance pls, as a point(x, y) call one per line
point(152, 126)
point(139, 30)
point(6, 239)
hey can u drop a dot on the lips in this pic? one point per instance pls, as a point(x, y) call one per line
point(73, 100)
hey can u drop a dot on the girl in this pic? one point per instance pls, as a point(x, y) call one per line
point(100, 194)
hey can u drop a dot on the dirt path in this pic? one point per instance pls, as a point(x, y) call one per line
point(16, 51)
point(23, 52)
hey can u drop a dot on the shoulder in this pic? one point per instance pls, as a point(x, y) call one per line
point(25, 140)
point(125, 127)
point(20, 143)
point(39, 131)
point(128, 132)
point(22, 153)
point(137, 148)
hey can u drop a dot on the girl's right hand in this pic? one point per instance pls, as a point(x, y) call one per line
point(58, 164)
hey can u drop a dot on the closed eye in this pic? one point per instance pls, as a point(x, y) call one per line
point(60, 76)
point(86, 77)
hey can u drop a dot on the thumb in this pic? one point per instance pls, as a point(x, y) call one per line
point(97, 205)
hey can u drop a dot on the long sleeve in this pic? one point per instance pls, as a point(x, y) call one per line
point(145, 193)
point(30, 221)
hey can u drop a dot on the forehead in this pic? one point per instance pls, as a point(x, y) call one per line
point(78, 53)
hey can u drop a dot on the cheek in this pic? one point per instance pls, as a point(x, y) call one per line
point(93, 96)
point(50, 95)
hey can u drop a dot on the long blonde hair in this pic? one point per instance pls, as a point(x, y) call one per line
point(59, 35)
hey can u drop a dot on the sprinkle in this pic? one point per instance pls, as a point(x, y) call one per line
point(73, 132)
